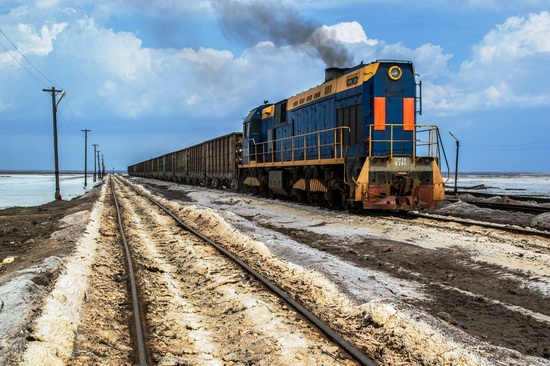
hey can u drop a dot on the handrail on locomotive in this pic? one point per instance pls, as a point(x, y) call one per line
point(295, 146)
point(424, 137)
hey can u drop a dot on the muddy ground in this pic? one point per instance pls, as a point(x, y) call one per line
point(444, 271)
point(25, 232)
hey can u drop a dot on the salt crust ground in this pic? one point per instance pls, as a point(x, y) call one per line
point(69, 293)
point(55, 330)
point(484, 245)
point(20, 297)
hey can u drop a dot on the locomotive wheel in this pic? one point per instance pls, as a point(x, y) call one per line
point(264, 190)
point(333, 199)
point(316, 198)
point(354, 207)
point(298, 195)
point(311, 199)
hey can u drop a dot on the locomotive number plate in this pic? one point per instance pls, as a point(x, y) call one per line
point(401, 162)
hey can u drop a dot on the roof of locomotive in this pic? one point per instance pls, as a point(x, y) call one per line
point(332, 86)
point(340, 80)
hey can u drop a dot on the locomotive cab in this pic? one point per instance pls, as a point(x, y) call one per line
point(251, 135)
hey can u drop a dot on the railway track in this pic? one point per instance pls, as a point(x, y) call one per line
point(467, 221)
point(514, 197)
point(143, 354)
point(535, 210)
point(508, 226)
point(169, 259)
point(489, 225)
point(512, 228)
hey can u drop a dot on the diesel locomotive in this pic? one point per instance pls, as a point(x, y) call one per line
point(352, 142)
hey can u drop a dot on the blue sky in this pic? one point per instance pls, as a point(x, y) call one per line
point(149, 77)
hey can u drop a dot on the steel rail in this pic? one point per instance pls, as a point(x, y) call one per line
point(313, 319)
point(489, 225)
point(539, 199)
point(536, 210)
point(140, 339)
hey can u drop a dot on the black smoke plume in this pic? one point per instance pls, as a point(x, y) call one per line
point(253, 20)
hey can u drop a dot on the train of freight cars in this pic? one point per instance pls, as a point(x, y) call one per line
point(352, 142)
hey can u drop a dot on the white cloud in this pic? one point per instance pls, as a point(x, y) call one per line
point(38, 43)
point(47, 4)
point(134, 81)
point(517, 38)
point(347, 32)
point(505, 70)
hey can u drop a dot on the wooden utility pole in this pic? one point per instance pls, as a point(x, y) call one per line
point(95, 149)
point(86, 157)
point(55, 102)
point(98, 166)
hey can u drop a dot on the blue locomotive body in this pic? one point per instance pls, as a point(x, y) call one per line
point(319, 143)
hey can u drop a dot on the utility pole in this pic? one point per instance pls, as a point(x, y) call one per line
point(98, 167)
point(456, 163)
point(95, 149)
point(102, 165)
point(55, 103)
point(86, 157)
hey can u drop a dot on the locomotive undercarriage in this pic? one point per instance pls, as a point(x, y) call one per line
point(216, 182)
point(375, 184)
point(321, 185)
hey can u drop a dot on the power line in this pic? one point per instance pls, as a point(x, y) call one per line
point(26, 59)
point(23, 66)
point(65, 119)
point(33, 75)
point(72, 114)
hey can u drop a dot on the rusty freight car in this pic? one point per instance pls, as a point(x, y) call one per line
point(212, 163)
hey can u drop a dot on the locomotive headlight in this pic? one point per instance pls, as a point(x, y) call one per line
point(395, 73)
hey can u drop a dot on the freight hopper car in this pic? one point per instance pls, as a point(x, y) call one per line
point(352, 141)
point(212, 163)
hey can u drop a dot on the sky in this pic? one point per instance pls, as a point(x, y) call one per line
point(150, 77)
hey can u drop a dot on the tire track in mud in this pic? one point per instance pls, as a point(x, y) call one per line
point(201, 309)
